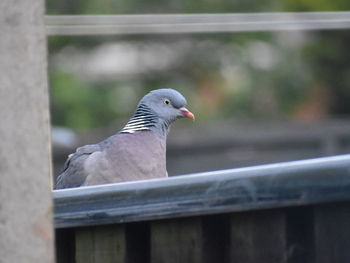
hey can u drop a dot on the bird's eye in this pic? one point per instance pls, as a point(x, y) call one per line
point(166, 101)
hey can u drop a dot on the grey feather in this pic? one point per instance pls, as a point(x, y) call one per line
point(73, 174)
point(137, 152)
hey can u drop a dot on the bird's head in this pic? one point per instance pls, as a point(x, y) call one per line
point(157, 111)
point(167, 104)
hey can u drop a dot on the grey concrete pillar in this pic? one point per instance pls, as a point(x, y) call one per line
point(26, 233)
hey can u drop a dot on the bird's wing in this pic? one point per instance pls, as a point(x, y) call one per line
point(119, 158)
point(127, 157)
point(73, 173)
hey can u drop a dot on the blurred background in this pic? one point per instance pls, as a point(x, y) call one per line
point(258, 97)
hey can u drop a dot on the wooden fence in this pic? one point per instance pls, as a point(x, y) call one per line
point(286, 212)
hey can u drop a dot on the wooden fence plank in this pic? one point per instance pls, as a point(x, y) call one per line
point(258, 237)
point(177, 241)
point(103, 244)
point(65, 245)
point(300, 234)
point(138, 242)
point(216, 238)
point(332, 233)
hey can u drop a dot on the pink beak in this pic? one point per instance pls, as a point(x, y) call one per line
point(186, 113)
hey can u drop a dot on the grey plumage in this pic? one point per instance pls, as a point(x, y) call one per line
point(137, 152)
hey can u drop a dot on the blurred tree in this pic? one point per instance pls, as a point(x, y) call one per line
point(330, 61)
point(77, 104)
point(301, 75)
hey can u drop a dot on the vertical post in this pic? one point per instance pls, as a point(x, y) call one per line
point(26, 233)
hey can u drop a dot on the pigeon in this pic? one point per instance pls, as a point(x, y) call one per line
point(136, 152)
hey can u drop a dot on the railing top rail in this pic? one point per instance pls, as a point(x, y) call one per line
point(193, 23)
point(286, 184)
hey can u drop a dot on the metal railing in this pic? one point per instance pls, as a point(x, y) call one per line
point(295, 183)
point(193, 23)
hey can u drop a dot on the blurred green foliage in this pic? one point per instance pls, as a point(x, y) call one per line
point(190, 6)
point(242, 75)
point(158, 6)
point(77, 104)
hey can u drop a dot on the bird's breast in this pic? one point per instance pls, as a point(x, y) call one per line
point(138, 156)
